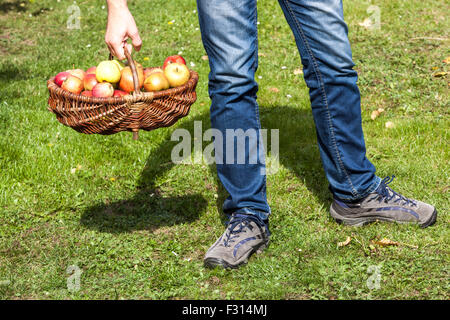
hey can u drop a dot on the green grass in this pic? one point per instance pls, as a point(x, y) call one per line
point(138, 226)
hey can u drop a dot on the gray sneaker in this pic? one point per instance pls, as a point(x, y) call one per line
point(244, 235)
point(384, 204)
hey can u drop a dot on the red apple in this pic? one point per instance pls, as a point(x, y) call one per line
point(77, 73)
point(91, 70)
point(119, 93)
point(126, 80)
point(173, 59)
point(60, 77)
point(103, 90)
point(177, 74)
point(86, 93)
point(73, 84)
point(90, 81)
point(156, 81)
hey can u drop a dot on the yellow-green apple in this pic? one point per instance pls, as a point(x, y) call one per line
point(126, 80)
point(149, 71)
point(77, 73)
point(156, 81)
point(91, 70)
point(119, 93)
point(73, 84)
point(86, 93)
point(119, 64)
point(103, 90)
point(173, 59)
point(108, 71)
point(90, 81)
point(177, 74)
point(60, 77)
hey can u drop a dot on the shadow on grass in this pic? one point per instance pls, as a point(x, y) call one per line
point(8, 6)
point(149, 209)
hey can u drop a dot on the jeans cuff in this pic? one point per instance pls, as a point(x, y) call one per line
point(263, 216)
point(374, 186)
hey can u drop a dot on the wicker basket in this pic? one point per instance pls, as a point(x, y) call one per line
point(140, 110)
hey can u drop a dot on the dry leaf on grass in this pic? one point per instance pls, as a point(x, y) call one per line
point(385, 242)
point(439, 74)
point(344, 243)
point(298, 71)
point(205, 58)
point(276, 90)
point(376, 113)
point(446, 60)
point(389, 125)
point(367, 23)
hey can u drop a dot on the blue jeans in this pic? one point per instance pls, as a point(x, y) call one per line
point(229, 34)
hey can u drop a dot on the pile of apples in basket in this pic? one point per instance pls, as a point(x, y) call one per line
point(111, 78)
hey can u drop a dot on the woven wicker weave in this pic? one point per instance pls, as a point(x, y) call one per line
point(140, 110)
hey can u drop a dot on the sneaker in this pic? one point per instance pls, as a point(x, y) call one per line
point(245, 234)
point(384, 204)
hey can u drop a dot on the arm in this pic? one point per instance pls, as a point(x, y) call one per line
point(120, 27)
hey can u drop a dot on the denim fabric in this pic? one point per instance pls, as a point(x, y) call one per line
point(229, 34)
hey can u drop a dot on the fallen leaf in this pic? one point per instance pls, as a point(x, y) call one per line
point(385, 242)
point(344, 243)
point(446, 60)
point(298, 71)
point(439, 74)
point(367, 23)
point(276, 90)
point(260, 54)
point(374, 114)
point(389, 125)
point(205, 58)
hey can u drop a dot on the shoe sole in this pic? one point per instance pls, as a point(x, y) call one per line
point(362, 221)
point(218, 262)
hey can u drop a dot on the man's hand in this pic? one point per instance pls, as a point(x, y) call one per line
point(120, 27)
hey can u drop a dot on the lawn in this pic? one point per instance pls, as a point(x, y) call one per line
point(134, 225)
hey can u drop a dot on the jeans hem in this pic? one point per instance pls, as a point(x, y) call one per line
point(374, 186)
point(260, 214)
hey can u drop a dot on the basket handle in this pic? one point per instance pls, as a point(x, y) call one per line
point(133, 69)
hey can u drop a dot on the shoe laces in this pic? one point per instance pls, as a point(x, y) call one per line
point(237, 224)
point(386, 194)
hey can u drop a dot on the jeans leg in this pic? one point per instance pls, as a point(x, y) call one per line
point(229, 35)
point(322, 39)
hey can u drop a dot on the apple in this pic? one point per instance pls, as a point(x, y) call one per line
point(103, 90)
point(86, 93)
point(73, 84)
point(149, 71)
point(119, 93)
point(156, 81)
point(119, 64)
point(108, 71)
point(60, 77)
point(91, 70)
point(90, 81)
point(126, 80)
point(177, 74)
point(173, 59)
point(77, 73)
